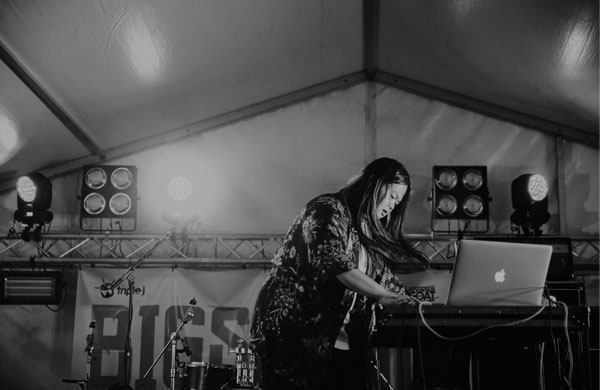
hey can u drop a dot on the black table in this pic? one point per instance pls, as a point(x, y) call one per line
point(477, 328)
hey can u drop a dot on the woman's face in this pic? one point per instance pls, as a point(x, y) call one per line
point(389, 197)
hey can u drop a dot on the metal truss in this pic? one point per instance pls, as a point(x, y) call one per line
point(172, 248)
point(206, 250)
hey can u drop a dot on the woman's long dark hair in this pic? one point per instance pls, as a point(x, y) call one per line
point(381, 238)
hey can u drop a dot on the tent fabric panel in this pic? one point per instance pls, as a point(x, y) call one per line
point(423, 133)
point(22, 144)
point(581, 189)
point(134, 69)
point(527, 56)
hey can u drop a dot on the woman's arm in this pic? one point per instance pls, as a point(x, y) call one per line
point(358, 281)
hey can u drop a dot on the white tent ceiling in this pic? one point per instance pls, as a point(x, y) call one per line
point(85, 80)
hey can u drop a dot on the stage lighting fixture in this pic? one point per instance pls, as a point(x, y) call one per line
point(108, 192)
point(31, 287)
point(460, 192)
point(530, 201)
point(177, 206)
point(34, 197)
point(179, 189)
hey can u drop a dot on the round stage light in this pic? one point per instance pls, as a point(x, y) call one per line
point(120, 203)
point(537, 187)
point(26, 189)
point(530, 201)
point(446, 205)
point(94, 203)
point(473, 206)
point(179, 189)
point(95, 178)
point(472, 179)
point(121, 178)
point(446, 179)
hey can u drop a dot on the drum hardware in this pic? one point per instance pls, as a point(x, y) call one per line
point(81, 382)
point(89, 349)
point(182, 367)
point(173, 343)
point(209, 376)
point(196, 376)
point(245, 367)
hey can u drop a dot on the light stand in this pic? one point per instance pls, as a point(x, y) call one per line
point(112, 286)
point(173, 343)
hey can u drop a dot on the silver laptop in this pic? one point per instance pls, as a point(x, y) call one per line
point(493, 273)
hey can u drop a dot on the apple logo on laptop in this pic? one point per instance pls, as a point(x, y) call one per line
point(499, 276)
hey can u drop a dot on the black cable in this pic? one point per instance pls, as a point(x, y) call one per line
point(420, 351)
point(127, 359)
point(541, 379)
point(512, 323)
point(557, 345)
point(569, 350)
point(552, 337)
point(62, 304)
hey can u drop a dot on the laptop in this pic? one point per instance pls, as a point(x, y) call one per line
point(494, 273)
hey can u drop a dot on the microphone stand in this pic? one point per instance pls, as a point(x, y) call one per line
point(130, 279)
point(173, 343)
point(89, 349)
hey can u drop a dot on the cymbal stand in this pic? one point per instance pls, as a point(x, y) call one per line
point(173, 343)
point(89, 349)
point(128, 274)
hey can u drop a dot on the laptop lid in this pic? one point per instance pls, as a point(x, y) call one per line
point(492, 273)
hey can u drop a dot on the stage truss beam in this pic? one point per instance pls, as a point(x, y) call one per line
point(212, 250)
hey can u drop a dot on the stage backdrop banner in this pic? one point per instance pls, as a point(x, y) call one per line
point(159, 298)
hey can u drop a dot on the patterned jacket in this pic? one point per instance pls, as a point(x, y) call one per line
point(300, 309)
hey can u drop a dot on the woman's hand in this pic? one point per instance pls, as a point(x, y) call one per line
point(358, 281)
point(396, 299)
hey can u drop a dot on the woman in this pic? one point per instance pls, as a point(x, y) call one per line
point(311, 321)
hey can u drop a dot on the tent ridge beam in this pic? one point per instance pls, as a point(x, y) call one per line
point(240, 114)
point(370, 37)
point(35, 87)
point(489, 109)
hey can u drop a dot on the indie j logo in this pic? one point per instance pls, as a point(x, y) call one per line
point(106, 291)
point(426, 293)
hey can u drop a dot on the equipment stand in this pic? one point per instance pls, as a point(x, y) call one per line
point(111, 286)
point(89, 349)
point(173, 343)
